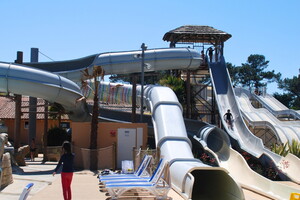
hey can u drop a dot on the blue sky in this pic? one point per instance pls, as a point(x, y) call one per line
point(70, 29)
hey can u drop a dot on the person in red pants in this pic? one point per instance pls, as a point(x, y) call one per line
point(67, 162)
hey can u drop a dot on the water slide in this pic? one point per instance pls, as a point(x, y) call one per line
point(18, 79)
point(213, 140)
point(190, 177)
point(284, 130)
point(225, 98)
point(126, 62)
point(276, 107)
point(216, 142)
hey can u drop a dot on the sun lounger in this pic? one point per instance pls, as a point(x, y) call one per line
point(159, 167)
point(158, 185)
point(132, 180)
point(140, 172)
point(26, 191)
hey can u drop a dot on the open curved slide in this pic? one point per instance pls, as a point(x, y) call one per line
point(241, 134)
point(285, 130)
point(275, 106)
point(190, 177)
point(216, 141)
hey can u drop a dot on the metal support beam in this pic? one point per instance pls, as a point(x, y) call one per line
point(133, 114)
point(144, 47)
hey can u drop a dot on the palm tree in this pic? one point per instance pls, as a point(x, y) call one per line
point(56, 111)
point(97, 72)
point(177, 85)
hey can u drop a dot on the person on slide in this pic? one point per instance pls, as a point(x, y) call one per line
point(229, 119)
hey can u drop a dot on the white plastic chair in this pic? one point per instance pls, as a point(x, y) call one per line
point(26, 191)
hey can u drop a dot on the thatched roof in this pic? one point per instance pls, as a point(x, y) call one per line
point(196, 34)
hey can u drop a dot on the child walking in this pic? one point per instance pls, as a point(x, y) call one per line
point(32, 149)
point(66, 160)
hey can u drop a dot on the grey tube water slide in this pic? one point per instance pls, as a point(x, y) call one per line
point(190, 177)
point(18, 79)
point(124, 62)
point(225, 98)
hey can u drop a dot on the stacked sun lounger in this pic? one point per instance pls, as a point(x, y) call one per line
point(123, 185)
point(140, 172)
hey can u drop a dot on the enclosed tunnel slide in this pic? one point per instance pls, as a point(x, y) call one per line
point(18, 79)
point(190, 177)
point(225, 98)
point(126, 62)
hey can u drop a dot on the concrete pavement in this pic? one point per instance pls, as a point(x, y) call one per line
point(34, 172)
point(46, 187)
point(84, 184)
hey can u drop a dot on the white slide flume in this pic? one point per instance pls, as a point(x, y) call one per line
point(275, 106)
point(225, 98)
point(286, 131)
point(216, 141)
point(188, 175)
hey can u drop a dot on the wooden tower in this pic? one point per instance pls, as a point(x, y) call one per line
point(200, 98)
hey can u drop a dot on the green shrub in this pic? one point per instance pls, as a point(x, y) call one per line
point(283, 150)
point(56, 136)
point(294, 148)
point(280, 149)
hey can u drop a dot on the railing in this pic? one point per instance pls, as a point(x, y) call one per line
point(106, 157)
point(262, 92)
point(138, 155)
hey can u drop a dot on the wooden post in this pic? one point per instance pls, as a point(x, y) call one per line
point(213, 106)
point(18, 100)
point(114, 164)
point(45, 135)
point(188, 94)
point(94, 127)
point(32, 102)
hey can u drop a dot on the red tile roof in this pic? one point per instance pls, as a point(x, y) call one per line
point(7, 108)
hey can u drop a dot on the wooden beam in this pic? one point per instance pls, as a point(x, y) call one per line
point(18, 99)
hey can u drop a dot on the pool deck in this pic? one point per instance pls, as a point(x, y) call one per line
point(84, 184)
point(46, 187)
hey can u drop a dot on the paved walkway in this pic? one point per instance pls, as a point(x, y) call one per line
point(84, 184)
point(46, 187)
